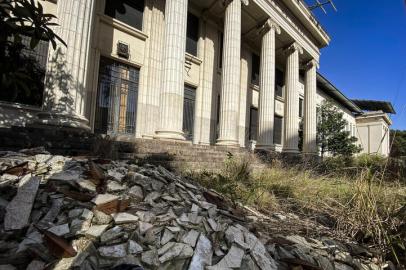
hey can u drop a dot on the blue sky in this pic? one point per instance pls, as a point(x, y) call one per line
point(366, 58)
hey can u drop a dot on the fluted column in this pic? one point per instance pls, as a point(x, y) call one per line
point(267, 86)
point(291, 135)
point(230, 77)
point(172, 88)
point(310, 117)
point(66, 75)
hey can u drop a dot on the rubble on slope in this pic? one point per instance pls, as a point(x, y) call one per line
point(59, 212)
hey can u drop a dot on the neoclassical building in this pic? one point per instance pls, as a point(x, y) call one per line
point(237, 73)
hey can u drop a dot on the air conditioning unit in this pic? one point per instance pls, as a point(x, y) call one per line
point(123, 50)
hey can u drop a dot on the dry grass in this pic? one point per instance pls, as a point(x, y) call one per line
point(361, 206)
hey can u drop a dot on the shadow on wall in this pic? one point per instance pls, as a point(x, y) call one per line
point(60, 92)
point(58, 83)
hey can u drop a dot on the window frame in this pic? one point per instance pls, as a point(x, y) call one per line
point(138, 22)
point(192, 17)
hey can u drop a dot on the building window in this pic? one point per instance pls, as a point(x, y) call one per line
point(32, 62)
point(192, 34)
point(127, 11)
point(221, 40)
point(279, 82)
point(253, 131)
point(300, 107)
point(117, 95)
point(255, 64)
point(277, 130)
point(189, 101)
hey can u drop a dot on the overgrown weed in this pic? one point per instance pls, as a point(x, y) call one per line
point(358, 202)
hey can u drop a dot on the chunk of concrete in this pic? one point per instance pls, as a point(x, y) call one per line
point(134, 247)
point(104, 198)
point(18, 211)
point(101, 218)
point(95, 231)
point(121, 218)
point(136, 193)
point(203, 254)
point(233, 259)
point(190, 238)
point(112, 234)
point(116, 251)
point(177, 251)
point(60, 230)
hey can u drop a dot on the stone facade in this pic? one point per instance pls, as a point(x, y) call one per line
point(186, 71)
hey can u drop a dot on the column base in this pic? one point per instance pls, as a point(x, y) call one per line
point(63, 120)
point(290, 151)
point(265, 147)
point(227, 142)
point(169, 135)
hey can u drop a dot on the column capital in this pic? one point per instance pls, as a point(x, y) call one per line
point(268, 25)
point(293, 47)
point(227, 2)
point(312, 63)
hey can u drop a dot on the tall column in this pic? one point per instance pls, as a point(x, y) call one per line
point(310, 117)
point(230, 77)
point(291, 135)
point(150, 83)
point(172, 88)
point(267, 86)
point(66, 75)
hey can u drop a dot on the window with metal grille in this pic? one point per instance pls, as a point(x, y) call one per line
point(32, 63)
point(127, 11)
point(277, 130)
point(255, 63)
point(192, 34)
point(279, 82)
point(189, 101)
point(117, 96)
point(253, 124)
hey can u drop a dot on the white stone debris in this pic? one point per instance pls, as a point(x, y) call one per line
point(165, 222)
point(18, 211)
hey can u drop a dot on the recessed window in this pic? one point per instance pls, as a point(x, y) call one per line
point(189, 101)
point(127, 11)
point(279, 82)
point(253, 124)
point(192, 34)
point(256, 62)
point(300, 107)
point(221, 40)
point(117, 95)
point(277, 130)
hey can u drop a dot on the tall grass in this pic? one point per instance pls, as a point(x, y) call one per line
point(358, 204)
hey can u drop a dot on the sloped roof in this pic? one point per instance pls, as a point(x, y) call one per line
point(375, 105)
point(327, 87)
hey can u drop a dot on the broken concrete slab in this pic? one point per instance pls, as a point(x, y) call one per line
point(116, 251)
point(19, 209)
point(104, 198)
point(177, 251)
point(134, 247)
point(121, 218)
point(95, 231)
point(233, 259)
point(203, 254)
point(190, 238)
point(60, 230)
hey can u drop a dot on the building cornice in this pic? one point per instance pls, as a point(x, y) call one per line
point(283, 20)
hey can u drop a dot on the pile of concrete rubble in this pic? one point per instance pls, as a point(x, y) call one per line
point(58, 212)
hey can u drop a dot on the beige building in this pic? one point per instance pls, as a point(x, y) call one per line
point(239, 73)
